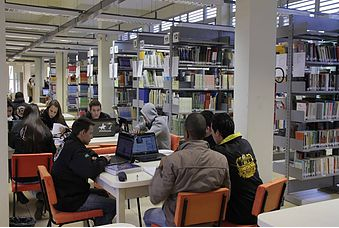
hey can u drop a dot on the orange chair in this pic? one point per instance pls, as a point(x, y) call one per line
point(105, 150)
point(55, 216)
point(92, 147)
point(175, 139)
point(268, 197)
point(26, 166)
point(200, 208)
point(107, 144)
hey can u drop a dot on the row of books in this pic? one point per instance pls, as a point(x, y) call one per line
point(203, 101)
point(125, 78)
point(322, 52)
point(322, 81)
point(178, 123)
point(125, 96)
point(226, 81)
point(152, 78)
point(152, 59)
point(157, 97)
point(83, 102)
point(205, 54)
point(322, 166)
point(320, 110)
point(318, 138)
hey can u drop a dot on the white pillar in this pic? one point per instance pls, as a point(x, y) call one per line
point(4, 206)
point(255, 38)
point(61, 90)
point(38, 80)
point(105, 84)
point(27, 75)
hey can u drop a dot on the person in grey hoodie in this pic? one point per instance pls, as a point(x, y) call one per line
point(155, 123)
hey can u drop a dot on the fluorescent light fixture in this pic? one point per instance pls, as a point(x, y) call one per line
point(197, 2)
point(38, 10)
point(29, 26)
point(10, 47)
point(207, 26)
point(22, 36)
point(74, 39)
point(127, 19)
point(94, 31)
point(40, 49)
point(17, 43)
point(69, 46)
point(39, 54)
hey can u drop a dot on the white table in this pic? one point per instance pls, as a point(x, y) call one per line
point(316, 214)
point(135, 186)
point(102, 140)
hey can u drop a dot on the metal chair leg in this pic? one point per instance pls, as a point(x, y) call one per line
point(128, 204)
point(49, 224)
point(88, 223)
point(139, 212)
point(13, 204)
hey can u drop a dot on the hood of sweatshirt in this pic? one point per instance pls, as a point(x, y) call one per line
point(149, 112)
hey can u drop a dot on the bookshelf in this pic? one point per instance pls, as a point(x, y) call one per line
point(200, 74)
point(72, 84)
point(82, 80)
point(148, 70)
point(308, 123)
point(92, 73)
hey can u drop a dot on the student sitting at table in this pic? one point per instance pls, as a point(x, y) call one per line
point(95, 112)
point(154, 123)
point(31, 136)
point(52, 114)
point(73, 165)
point(208, 115)
point(243, 166)
point(193, 168)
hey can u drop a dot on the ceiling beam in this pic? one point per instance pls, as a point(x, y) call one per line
point(88, 14)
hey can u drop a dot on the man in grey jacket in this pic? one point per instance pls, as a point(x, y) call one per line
point(155, 123)
point(193, 168)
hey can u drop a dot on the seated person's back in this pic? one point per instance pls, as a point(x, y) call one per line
point(193, 168)
point(243, 169)
point(157, 124)
point(95, 112)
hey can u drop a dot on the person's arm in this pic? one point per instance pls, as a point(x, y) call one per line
point(86, 165)
point(157, 127)
point(162, 183)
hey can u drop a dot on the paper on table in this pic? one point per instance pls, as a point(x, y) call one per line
point(58, 129)
point(150, 170)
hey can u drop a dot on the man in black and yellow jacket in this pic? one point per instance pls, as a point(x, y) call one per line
point(242, 167)
point(73, 165)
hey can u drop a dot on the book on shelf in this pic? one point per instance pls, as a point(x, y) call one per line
point(318, 52)
point(125, 167)
point(321, 80)
point(318, 138)
point(227, 81)
point(319, 110)
point(157, 97)
point(321, 166)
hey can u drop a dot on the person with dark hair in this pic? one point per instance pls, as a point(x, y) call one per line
point(193, 168)
point(73, 165)
point(95, 112)
point(208, 115)
point(52, 114)
point(19, 105)
point(155, 123)
point(30, 88)
point(10, 111)
point(27, 137)
point(243, 166)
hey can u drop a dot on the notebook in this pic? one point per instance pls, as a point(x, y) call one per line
point(125, 167)
point(104, 128)
point(145, 148)
point(124, 149)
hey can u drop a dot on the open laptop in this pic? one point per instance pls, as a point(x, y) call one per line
point(104, 128)
point(145, 148)
point(124, 149)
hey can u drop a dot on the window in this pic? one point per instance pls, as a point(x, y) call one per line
point(156, 28)
point(304, 5)
point(166, 25)
point(134, 35)
point(196, 16)
point(211, 12)
point(329, 6)
point(125, 36)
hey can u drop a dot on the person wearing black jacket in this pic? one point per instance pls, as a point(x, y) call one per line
point(73, 165)
point(52, 114)
point(243, 169)
point(19, 105)
point(95, 112)
point(208, 115)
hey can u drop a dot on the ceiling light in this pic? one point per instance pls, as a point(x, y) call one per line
point(127, 19)
point(17, 43)
point(207, 26)
point(22, 35)
point(29, 26)
point(197, 2)
point(94, 31)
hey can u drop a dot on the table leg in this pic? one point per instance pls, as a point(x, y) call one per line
point(120, 199)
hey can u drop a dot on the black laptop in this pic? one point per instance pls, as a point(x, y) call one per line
point(104, 128)
point(124, 149)
point(145, 148)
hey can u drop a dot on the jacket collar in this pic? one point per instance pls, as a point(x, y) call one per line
point(230, 137)
point(192, 143)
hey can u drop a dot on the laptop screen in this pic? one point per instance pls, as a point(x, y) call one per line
point(125, 145)
point(145, 144)
point(104, 128)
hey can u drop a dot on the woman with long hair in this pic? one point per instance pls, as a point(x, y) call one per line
point(52, 114)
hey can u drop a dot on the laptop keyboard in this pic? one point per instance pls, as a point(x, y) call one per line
point(117, 160)
point(149, 157)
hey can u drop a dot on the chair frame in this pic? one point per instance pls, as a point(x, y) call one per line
point(51, 219)
point(49, 157)
point(280, 200)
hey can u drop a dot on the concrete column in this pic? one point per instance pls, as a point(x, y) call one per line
point(39, 78)
point(224, 14)
point(4, 206)
point(105, 84)
point(255, 38)
point(27, 75)
point(61, 90)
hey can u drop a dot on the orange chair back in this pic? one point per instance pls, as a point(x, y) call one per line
point(26, 165)
point(175, 139)
point(92, 147)
point(269, 196)
point(199, 208)
point(105, 150)
point(48, 185)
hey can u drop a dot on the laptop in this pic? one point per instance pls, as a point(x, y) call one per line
point(145, 148)
point(124, 149)
point(104, 128)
